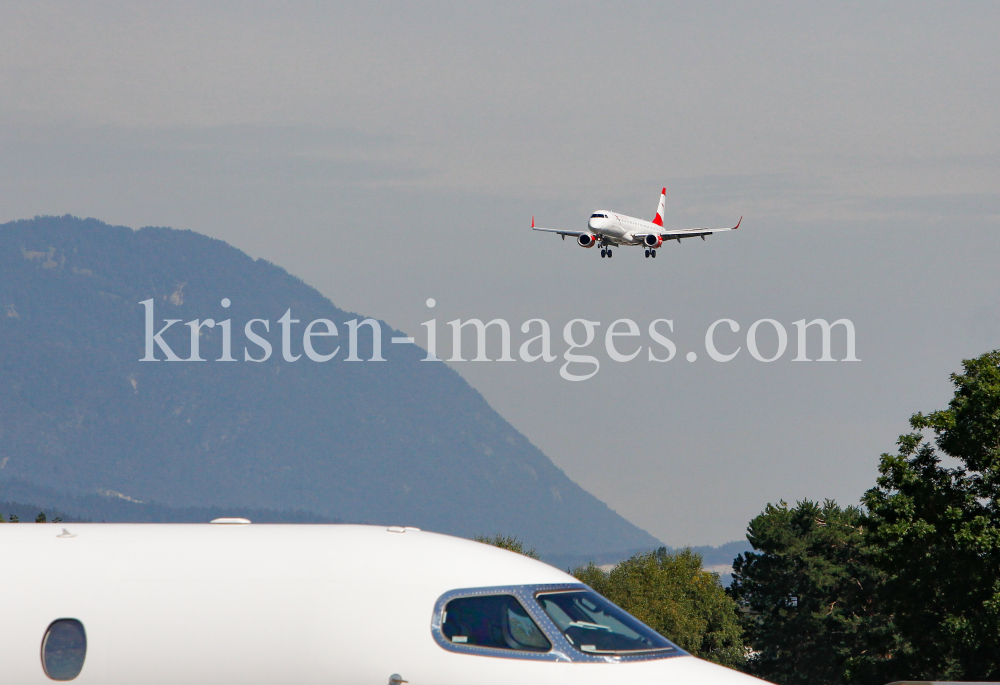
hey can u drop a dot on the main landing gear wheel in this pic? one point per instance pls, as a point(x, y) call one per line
point(652, 253)
point(647, 254)
point(610, 253)
point(604, 253)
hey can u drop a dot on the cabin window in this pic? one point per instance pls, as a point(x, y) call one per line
point(64, 648)
point(494, 621)
point(594, 625)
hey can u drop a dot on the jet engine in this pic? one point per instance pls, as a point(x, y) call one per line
point(653, 241)
point(586, 240)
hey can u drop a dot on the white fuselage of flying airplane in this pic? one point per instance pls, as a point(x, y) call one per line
point(609, 229)
point(251, 604)
point(619, 228)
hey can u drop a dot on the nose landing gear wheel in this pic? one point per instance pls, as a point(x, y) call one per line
point(652, 253)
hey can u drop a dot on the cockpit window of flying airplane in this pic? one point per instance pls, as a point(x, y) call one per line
point(594, 625)
point(497, 621)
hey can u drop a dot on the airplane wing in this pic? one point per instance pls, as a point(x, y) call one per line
point(679, 233)
point(575, 234)
point(556, 230)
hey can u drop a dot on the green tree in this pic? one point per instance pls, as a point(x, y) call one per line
point(508, 542)
point(672, 594)
point(808, 592)
point(41, 517)
point(937, 532)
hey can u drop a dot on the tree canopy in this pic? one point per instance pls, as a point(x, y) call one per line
point(671, 593)
point(508, 542)
point(808, 592)
point(905, 588)
point(936, 532)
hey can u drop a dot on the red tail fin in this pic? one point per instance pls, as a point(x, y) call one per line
point(658, 219)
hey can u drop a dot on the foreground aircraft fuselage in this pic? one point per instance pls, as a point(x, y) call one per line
point(187, 604)
point(609, 229)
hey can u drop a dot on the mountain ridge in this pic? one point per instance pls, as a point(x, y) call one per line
point(392, 442)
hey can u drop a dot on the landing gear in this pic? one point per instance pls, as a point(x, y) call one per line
point(610, 253)
point(604, 253)
point(647, 254)
point(652, 253)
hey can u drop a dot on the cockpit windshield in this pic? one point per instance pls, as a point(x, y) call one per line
point(495, 621)
point(594, 625)
point(598, 216)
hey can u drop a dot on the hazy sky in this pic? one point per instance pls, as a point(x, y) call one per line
point(387, 153)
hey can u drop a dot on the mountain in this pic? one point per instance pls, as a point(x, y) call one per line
point(111, 506)
point(396, 442)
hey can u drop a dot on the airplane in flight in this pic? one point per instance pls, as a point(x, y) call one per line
point(230, 602)
point(610, 229)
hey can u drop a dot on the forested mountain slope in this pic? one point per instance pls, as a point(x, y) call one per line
point(396, 442)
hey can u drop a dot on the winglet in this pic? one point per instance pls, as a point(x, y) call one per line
point(532, 220)
point(738, 223)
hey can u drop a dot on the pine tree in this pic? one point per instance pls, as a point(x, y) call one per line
point(807, 594)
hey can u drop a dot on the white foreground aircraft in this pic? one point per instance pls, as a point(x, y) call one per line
point(252, 604)
point(609, 229)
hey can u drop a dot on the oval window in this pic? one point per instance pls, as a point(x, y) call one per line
point(64, 648)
